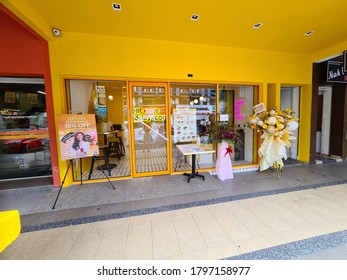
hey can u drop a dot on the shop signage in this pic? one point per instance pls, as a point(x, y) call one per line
point(149, 114)
point(239, 104)
point(345, 62)
point(335, 72)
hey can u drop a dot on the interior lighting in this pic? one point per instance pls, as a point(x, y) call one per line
point(308, 33)
point(195, 17)
point(116, 7)
point(257, 25)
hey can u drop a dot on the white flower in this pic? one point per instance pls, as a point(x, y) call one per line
point(271, 120)
point(260, 123)
point(270, 130)
point(272, 112)
point(292, 125)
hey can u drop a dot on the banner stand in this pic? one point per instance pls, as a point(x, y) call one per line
point(81, 174)
point(103, 172)
point(62, 183)
point(78, 139)
point(67, 171)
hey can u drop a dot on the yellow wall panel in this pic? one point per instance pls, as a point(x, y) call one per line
point(78, 54)
point(305, 123)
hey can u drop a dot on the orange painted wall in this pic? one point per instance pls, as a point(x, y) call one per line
point(24, 53)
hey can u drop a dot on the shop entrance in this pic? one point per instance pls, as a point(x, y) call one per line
point(148, 124)
point(290, 98)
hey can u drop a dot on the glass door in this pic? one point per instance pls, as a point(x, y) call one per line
point(149, 129)
point(236, 104)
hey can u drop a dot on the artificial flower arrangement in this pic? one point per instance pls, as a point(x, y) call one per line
point(274, 122)
point(276, 128)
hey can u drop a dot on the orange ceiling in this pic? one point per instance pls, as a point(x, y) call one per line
point(222, 22)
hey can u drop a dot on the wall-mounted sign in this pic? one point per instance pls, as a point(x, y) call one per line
point(10, 97)
point(335, 72)
point(32, 98)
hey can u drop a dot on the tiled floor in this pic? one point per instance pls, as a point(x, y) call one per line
point(152, 161)
point(310, 217)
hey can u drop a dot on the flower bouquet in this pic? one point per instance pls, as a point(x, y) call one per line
point(223, 132)
point(224, 135)
point(276, 128)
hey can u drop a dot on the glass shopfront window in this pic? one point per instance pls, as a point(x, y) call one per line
point(108, 101)
point(237, 103)
point(24, 141)
point(193, 110)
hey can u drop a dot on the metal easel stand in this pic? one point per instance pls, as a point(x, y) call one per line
point(278, 167)
point(62, 183)
point(67, 171)
point(103, 172)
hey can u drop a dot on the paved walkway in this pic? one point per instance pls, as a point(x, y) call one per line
point(285, 221)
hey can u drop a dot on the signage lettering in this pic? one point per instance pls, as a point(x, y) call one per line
point(335, 73)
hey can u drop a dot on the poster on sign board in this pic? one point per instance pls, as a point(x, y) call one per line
point(78, 136)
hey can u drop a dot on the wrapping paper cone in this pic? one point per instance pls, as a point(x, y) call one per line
point(224, 169)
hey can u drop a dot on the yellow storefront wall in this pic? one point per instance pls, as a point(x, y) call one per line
point(104, 57)
point(111, 58)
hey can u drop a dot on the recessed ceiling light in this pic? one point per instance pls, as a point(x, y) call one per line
point(308, 33)
point(116, 7)
point(257, 25)
point(195, 17)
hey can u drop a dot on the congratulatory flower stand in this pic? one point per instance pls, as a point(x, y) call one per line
point(276, 128)
point(223, 135)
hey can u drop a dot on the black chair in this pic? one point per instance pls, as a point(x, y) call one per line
point(115, 150)
point(118, 127)
point(106, 166)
